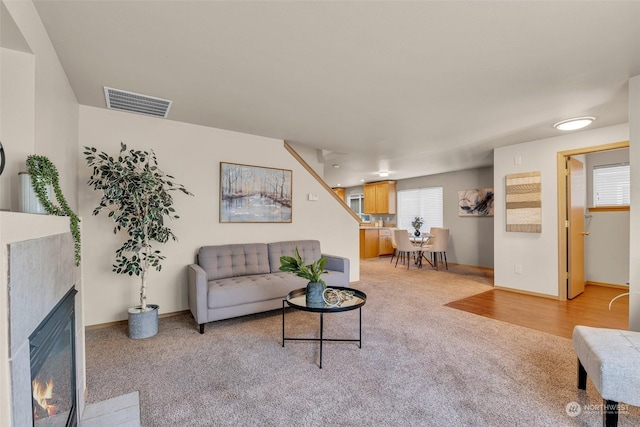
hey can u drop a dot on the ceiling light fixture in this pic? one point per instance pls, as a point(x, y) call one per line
point(383, 174)
point(575, 123)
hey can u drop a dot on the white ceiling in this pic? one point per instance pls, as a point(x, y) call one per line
point(414, 88)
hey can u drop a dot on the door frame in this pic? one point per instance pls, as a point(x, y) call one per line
point(562, 207)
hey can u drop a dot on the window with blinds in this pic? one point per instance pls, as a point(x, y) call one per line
point(611, 185)
point(423, 202)
point(356, 203)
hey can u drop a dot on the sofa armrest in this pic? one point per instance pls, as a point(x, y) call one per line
point(336, 263)
point(198, 291)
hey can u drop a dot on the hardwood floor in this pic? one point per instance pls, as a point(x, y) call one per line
point(591, 308)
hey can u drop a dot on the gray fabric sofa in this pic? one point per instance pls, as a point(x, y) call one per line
point(235, 280)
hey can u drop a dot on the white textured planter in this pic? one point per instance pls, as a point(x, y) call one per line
point(143, 324)
point(27, 198)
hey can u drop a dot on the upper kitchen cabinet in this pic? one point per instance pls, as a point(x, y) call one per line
point(380, 197)
point(340, 192)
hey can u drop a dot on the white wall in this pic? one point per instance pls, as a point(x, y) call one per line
point(634, 214)
point(537, 253)
point(310, 155)
point(39, 112)
point(38, 115)
point(606, 248)
point(17, 119)
point(192, 154)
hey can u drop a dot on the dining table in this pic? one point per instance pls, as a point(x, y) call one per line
point(422, 238)
point(419, 241)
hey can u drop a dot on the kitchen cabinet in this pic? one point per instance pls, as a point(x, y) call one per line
point(369, 241)
point(375, 242)
point(380, 197)
point(340, 192)
point(385, 244)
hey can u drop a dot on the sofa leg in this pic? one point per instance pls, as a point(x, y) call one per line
point(610, 413)
point(582, 376)
point(202, 328)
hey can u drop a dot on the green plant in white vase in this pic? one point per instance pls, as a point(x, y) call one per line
point(311, 272)
point(138, 196)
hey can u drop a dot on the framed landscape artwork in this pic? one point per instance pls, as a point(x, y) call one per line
point(254, 193)
point(476, 202)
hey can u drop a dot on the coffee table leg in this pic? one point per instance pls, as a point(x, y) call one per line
point(321, 327)
point(360, 339)
point(283, 323)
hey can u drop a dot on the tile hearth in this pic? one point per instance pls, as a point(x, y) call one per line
point(122, 411)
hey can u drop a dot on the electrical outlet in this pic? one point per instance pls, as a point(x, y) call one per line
point(518, 269)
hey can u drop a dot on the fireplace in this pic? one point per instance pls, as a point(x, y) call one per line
point(53, 379)
point(43, 327)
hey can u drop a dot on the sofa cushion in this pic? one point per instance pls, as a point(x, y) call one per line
point(309, 251)
point(224, 261)
point(244, 290)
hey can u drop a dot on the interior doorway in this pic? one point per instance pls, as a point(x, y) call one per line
point(567, 246)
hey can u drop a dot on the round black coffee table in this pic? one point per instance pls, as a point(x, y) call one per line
point(296, 299)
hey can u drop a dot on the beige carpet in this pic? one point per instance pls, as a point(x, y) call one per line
point(421, 364)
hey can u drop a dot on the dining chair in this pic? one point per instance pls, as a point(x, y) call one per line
point(405, 247)
point(437, 245)
point(394, 244)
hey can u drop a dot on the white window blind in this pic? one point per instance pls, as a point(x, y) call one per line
point(611, 185)
point(423, 202)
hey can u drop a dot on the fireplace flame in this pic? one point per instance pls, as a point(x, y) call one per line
point(42, 393)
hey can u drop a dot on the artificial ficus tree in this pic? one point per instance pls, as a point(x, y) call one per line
point(138, 197)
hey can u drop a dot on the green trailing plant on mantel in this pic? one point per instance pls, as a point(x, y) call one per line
point(43, 172)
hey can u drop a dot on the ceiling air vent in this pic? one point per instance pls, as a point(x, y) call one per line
point(135, 103)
